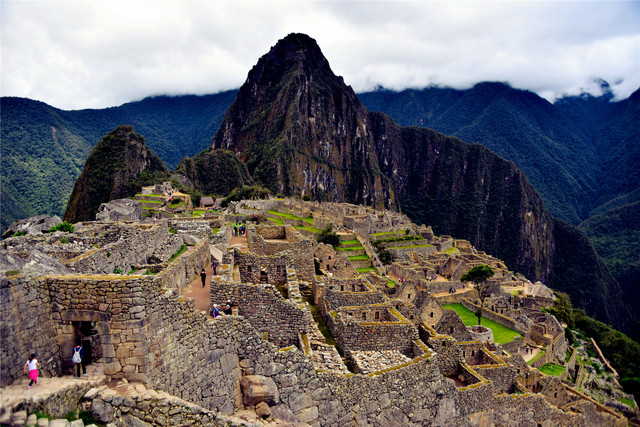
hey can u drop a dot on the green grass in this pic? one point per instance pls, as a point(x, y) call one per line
point(451, 251)
point(537, 356)
point(276, 220)
point(215, 230)
point(386, 233)
point(552, 369)
point(627, 402)
point(391, 283)
point(501, 334)
point(358, 258)
point(350, 242)
point(411, 247)
point(308, 220)
point(151, 201)
point(367, 269)
point(310, 228)
point(351, 248)
point(177, 254)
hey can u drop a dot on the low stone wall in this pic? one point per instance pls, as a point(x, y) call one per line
point(498, 318)
point(59, 403)
point(372, 334)
point(181, 271)
point(336, 298)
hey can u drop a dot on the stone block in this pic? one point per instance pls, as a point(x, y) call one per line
point(60, 422)
point(102, 411)
point(257, 388)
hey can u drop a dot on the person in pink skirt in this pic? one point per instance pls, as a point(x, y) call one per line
point(33, 366)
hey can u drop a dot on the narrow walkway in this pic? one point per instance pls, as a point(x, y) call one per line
point(11, 396)
point(200, 294)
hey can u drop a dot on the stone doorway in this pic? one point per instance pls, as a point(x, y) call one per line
point(87, 328)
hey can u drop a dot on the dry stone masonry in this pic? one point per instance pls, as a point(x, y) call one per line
point(311, 340)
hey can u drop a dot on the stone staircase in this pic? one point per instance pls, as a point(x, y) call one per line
point(356, 253)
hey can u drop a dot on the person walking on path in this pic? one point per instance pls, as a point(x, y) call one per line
point(78, 359)
point(203, 277)
point(33, 366)
point(214, 265)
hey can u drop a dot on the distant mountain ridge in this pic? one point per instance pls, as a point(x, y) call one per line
point(579, 153)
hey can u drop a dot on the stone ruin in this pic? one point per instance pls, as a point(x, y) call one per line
point(310, 342)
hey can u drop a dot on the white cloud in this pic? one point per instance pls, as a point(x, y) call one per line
point(82, 54)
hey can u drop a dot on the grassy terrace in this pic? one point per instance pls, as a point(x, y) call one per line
point(359, 258)
point(350, 242)
point(276, 220)
point(310, 228)
point(536, 357)
point(308, 220)
point(411, 247)
point(367, 269)
point(501, 334)
point(552, 369)
point(351, 248)
point(451, 251)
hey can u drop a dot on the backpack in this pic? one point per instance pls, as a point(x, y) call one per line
point(76, 356)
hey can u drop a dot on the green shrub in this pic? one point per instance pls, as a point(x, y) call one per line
point(19, 233)
point(64, 240)
point(328, 236)
point(117, 271)
point(63, 226)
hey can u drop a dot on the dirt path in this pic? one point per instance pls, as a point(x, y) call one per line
point(200, 294)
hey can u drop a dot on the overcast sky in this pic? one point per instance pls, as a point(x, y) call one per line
point(95, 53)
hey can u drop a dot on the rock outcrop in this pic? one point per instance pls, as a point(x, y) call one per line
point(33, 225)
point(120, 210)
point(117, 167)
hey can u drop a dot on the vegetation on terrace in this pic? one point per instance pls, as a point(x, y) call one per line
point(501, 334)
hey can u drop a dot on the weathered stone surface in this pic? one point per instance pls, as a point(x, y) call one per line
point(60, 422)
point(262, 410)
point(33, 225)
point(102, 411)
point(120, 210)
point(43, 264)
point(131, 421)
point(258, 388)
point(283, 413)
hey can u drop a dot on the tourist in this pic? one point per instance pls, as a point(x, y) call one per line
point(215, 312)
point(203, 277)
point(33, 366)
point(78, 359)
point(214, 266)
point(227, 309)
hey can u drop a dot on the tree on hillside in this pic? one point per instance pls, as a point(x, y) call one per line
point(479, 276)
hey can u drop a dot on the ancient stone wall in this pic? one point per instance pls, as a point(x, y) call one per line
point(136, 245)
point(363, 331)
point(270, 240)
point(181, 271)
point(337, 298)
point(264, 307)
point(26, 326)
point(261, 268)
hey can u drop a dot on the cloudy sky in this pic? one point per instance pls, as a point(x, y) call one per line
point(94, 53)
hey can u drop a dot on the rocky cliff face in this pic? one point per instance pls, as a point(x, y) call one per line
point(116, 168)
point(301, 130)
point(467, 191)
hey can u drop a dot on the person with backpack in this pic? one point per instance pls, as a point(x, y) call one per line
point(203, 277)
point(33, 366)
point(215, 311)
point(77, 358)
